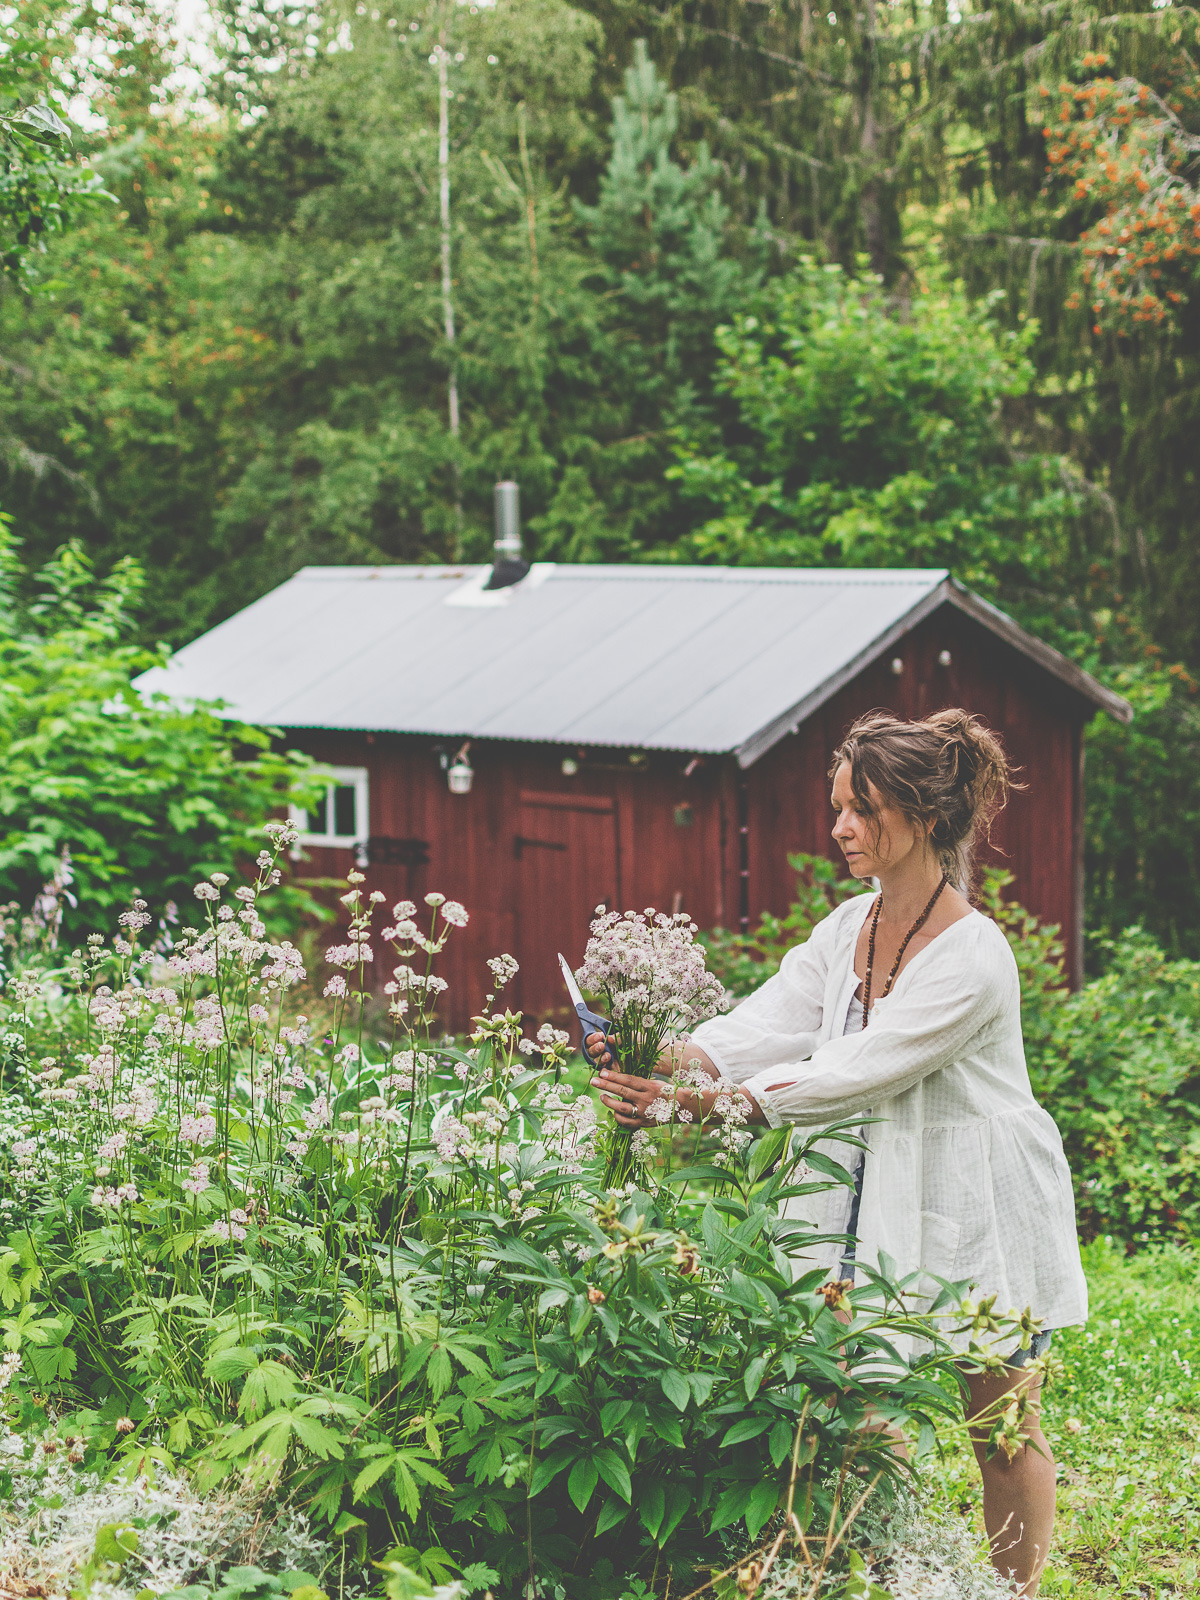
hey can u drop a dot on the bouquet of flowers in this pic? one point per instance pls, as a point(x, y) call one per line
point(647, 973)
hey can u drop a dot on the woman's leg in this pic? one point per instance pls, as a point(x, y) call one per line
point(1018, 1495)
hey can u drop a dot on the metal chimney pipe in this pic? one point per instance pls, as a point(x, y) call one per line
point(508, 521)
point(509, 566)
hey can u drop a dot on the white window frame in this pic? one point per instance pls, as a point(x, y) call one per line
point(355, 778)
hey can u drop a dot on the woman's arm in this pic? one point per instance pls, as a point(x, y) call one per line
point(927, 1026)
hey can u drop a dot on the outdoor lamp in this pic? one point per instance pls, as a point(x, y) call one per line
point(460, 774)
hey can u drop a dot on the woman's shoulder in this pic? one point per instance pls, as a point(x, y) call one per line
point(978, 944)
point(847, 915)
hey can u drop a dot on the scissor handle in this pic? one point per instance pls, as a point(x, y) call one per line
point(593, 1022)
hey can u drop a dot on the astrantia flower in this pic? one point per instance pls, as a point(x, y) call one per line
point(503, 969)
point(455, 914)
point(206, 891)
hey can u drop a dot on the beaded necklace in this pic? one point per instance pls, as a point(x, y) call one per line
point(916, 927)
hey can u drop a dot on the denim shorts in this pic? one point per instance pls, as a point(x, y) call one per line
point(1038, 1346)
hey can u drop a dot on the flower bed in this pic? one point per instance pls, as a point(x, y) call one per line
point(380, 1276)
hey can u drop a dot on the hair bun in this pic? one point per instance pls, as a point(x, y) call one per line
point(948, 771)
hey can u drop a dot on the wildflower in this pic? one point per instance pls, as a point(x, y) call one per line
point(455, 914)
point(404, 909)
point(259, 1014)
point(206, 891)
point(124, 1424)
point(835, 1291)
point(336, 988)
point(434, 899)
point(595, 1296)
point(198, 1127)
point(196, 1181)
point(503, 969)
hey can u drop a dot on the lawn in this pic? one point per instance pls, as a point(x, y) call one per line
point(1123, 1420)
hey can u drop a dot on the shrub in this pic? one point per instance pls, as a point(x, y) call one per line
point(390, 1285)
point(140, 795)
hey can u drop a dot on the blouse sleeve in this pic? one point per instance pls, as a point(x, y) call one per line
point(923, 1028)
point(780, 1022)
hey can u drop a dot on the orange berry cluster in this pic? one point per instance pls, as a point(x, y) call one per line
point(1125, 147)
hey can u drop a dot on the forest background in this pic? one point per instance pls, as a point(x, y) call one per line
point(900, 284)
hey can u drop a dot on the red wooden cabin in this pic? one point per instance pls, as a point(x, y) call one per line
point(639, 736)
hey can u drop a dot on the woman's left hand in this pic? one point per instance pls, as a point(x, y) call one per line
point(628, 1098)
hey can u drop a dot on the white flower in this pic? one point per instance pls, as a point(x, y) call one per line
point(503, 969)
point(206, 891)
point(455, 914)
point(434, 899)
point(403, 909)
point(219, 878)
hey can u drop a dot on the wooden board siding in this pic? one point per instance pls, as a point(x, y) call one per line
point(1034, 838)
point(662, 830)
point(531, 900)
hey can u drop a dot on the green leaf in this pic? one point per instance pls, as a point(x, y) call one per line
point(731, 1505)
point(763, 1502)
point(675, 1387)
point(41, 124)
point(614, 1472)
point(227, 1365)
point(679, 1500)
point(746, 1428)
point(753, 1375)
point(116, 1541)
point(766, 1152)
point(612, 1513)
point(858, 1585)
point(652, 1506)
point(582, 1482)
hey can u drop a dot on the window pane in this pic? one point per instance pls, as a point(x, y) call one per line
point(345, 822)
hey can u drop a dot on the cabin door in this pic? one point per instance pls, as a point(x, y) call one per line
point(566, 865)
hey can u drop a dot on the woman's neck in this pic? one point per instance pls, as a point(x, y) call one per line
point(907, 887)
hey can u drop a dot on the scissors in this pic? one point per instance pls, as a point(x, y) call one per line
point(592, 1022)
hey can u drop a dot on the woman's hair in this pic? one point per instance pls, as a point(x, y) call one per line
point(948, 771)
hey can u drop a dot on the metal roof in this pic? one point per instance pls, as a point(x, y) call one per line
point(654, 657)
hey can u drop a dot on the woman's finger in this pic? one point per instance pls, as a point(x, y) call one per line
point(624, 1081)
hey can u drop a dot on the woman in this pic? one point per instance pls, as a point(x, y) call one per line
point(905, 1006)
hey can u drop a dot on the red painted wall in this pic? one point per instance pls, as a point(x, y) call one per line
point(530, 851)
point(1035, 837)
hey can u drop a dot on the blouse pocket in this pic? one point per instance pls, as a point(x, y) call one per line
point(939, 1247)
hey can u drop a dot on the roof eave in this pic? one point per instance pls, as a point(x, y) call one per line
point(949, 592)
point(1045, 655)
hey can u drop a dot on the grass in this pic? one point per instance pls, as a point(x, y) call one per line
point(1123, 1420)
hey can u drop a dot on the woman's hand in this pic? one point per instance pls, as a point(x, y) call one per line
point(629, 1098)
point(599, 1048)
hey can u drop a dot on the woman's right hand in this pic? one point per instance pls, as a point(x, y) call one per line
point(600, 1047)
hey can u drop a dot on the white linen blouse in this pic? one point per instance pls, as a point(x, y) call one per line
point(965, 1176)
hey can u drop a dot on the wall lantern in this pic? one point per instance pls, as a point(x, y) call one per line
point(460, 774)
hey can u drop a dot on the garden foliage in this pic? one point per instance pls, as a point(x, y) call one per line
point(388, 1282)
point(118, 793)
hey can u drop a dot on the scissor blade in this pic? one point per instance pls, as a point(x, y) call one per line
point(572, 987)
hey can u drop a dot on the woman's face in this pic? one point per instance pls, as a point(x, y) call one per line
point(875, 844)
